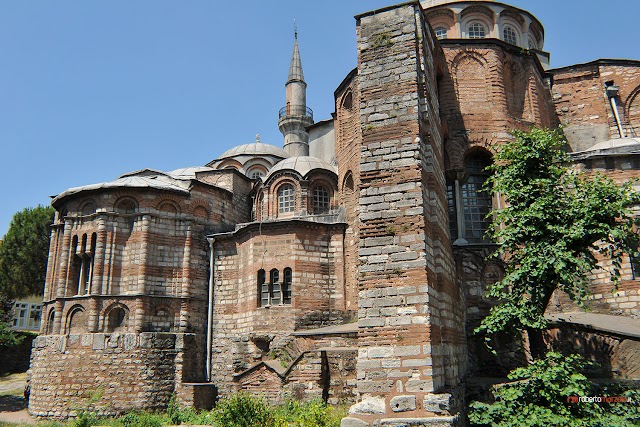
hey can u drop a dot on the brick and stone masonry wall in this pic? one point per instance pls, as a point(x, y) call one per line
point(109, 374)
point(488, 90)
point(151, 262)
point(348, 143)
point(583, 107)
point(411, 335)
point(244, 332)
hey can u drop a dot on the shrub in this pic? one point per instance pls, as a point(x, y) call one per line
point(243, 410)
point(539, 397)
point(143, 419)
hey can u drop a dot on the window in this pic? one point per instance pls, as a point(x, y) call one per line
point(286, 199)
point(126, 206)
point(476, 203)
point(263, 288)
point(50, 321)
point(441, 32)
point(634, 260)
point(286, 286)
point(347, 103)
point(256, 173)
point(258, 209)
point(275, 287)
point(509, 35)
point(162, 321)
point(476, 31)
point(532, 44)
point(77, 321)
point(468, 205)
point(88, 208)
point(275, 292)
point(117, 320)
point(451, 204)
point(82, 267)
point(321, 200)
point(348, 185)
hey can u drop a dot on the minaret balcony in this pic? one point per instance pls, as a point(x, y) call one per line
point(291, 111)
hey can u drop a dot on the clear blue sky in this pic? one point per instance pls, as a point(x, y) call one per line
point(93, 89)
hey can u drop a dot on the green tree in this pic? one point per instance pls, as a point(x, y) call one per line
point(23, 263)
point(24, 252)
point(555, 222)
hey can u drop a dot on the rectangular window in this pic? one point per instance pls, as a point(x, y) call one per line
point(635, 266)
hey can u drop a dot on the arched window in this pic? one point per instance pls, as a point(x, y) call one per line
point(347, 102)
point(275, 287)
point(475, 201)
point(82, 267)
point(116, 320)
point(275, 292)
point(476, 31)
point(162, 320)
point(88, 208)
point(74, 271)
point(440, 32)
point(468, 203)
point(509, 35)
point(126, 206)
point(77, 322)
point(286, 286)
point(263, 288)
point(321, 200)
point(532, 44)
point(168, 207)
point(256, 173)
point(50, 322)
point(286, 198)
point(258, 209)
point(348, 185)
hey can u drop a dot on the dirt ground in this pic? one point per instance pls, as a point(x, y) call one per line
point(13, 406)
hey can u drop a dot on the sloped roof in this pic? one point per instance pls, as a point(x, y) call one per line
point(158, 182)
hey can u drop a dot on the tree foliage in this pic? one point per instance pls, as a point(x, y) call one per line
point(24, 252)
point(541, 395)
point(555, 222)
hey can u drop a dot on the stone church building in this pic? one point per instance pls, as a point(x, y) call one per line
point(348, 265)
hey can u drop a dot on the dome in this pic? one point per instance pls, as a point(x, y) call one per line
point(255, 149)
point(301, 164)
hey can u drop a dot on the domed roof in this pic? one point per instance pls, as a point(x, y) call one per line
point(301, 164)
point(255, 149)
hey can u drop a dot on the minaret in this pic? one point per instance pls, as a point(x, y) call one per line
point(295, 116)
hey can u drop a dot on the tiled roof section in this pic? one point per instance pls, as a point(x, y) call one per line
point(611, 147)
point(301, 164)
point(157, 182)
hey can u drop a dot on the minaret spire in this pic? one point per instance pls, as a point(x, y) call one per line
point(295, 116)
point(295, 69)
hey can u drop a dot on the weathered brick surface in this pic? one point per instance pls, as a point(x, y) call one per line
point(108, 373)
point(411, 340)
point(582, 105)
point(245, 331)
